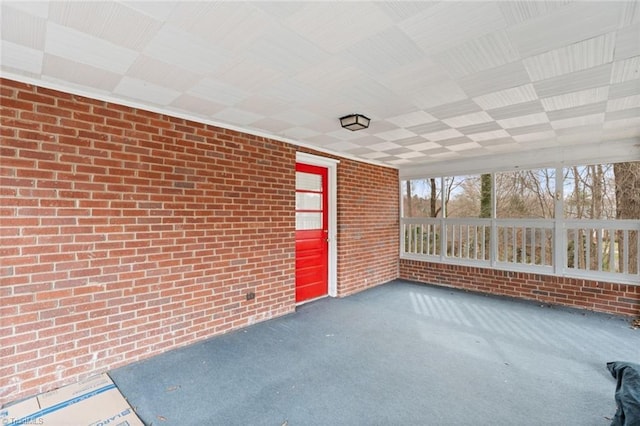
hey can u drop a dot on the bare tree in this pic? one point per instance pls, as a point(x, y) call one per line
point(627, 183)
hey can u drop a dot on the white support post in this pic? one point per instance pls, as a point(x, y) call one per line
point(559, 231)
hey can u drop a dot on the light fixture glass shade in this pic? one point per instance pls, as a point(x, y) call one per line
point(354, 122)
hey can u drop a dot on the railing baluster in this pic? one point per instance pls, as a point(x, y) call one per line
point(600, 248)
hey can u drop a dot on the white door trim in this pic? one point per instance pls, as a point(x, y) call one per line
point(332, 177)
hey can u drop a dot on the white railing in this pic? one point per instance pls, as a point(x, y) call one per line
point(595, 249)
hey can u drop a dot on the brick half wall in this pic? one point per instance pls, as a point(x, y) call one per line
point(620, 299)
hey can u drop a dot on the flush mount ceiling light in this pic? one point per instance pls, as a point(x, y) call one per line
point(354, 122)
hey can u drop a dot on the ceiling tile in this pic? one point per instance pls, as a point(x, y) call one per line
point(168, 45)
point(392, 44)
point(628, 102)
point(489, 51)
point(516, 110)
point(396, 134)
point(524, 120)
point(464, 146)
point(448, 24)
point(588, 109)
point(218, 92)
point(132, 88)
point(109, 21)
point(384, 146)
point(63, 69)
point(304, 133)
point(429, 127)
point(442, 135)
point(495, 79)
point(22, 28)
point(21, 59)
point(578, 121)
point(494, 134)
point(411, 119)
point(424, 146)
point(236, 116)
point(80, 47)
point(200, 106)
point(479, 128)
point(454, 109)
point(334, 29)
point(530, 137)
point(506, 97)
point(160, 11)
point(574, 82)
point(533, 128)
point(411, 154)
point(467, 119)
point(625, 70)
point(567, 25)
point(622, 114)
point(35, 8)
point(575, 99)
point(628, 41)
point(161, 73)
point(628, 88)
point(516, 11)
point(575, 57)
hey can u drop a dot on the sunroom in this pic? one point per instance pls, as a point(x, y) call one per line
point(173, 171)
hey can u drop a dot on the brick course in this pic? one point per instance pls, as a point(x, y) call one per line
point(621, 299)
point(125, 233)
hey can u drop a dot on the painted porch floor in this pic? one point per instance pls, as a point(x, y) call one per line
point(397, 354)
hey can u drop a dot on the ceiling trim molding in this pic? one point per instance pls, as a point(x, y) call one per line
point(166, 111)
point(601, 152)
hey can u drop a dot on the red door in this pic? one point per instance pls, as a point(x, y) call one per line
point(311, 232)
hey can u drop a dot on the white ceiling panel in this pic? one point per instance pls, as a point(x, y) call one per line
point(22, 28)
point(448, 24)
point(496, 79)
point(131, 88)
point(486, 52)
point(575, 57)
point(468, 119)
point(575, 99)
point(411, 119)
point(574, 82)
point(20, 58)
point(85, 49)
point(578, 121)
point(334, 28)
point(628, 42)
point(109, 21)
point(487, 136)
point(568, 24)
point(518, 11)
point(625, 70)
point(444, 83)
point(507, 97)
point(524, 120)
point(59, 69)
point(168, 45)
point(618, 104)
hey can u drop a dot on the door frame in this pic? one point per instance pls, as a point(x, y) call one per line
point(332, 186)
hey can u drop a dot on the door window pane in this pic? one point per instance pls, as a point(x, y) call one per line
point(306, 221)
point(308, 201)
point(308, 181)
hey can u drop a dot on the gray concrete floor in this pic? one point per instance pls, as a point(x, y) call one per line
point(397, 354)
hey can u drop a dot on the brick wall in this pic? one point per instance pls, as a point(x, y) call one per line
point(368, 226)
point(587, 294)
point(126, 233)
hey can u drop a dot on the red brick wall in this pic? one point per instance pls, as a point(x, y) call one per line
point(125, 233)
point(593, 295)
point(368, 226)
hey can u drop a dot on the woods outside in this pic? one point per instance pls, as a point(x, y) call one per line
point(598, 192)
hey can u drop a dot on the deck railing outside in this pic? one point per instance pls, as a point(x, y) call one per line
point(593, 249)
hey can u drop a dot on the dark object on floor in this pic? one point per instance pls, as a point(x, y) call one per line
point(627, 393)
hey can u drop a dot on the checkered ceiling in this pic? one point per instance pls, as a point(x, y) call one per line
point(448, 86)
